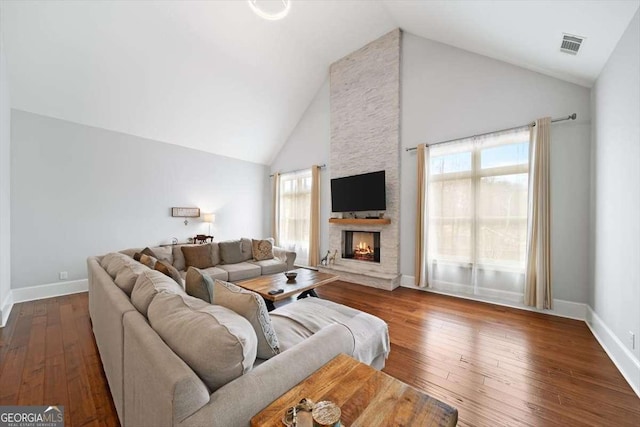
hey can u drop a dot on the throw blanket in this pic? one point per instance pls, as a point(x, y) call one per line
point(370, 333)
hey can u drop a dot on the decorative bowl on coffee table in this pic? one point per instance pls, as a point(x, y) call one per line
point(291, 275)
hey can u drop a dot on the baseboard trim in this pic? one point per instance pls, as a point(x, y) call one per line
point(561, 308)
point(5, 309)
point(622, 357)
point(33, 293)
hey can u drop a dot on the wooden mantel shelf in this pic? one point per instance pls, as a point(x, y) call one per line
point(360, 221)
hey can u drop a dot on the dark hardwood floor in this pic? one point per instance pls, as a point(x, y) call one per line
point(48, 356)
point(498, 366)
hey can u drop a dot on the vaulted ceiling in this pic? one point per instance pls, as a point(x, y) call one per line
point(216, 77)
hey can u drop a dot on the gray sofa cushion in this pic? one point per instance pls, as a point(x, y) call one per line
point(148, 285)
point(114, 261)
point(213, 272)
point(231, 251)
point(218, 344)
point(178, 257)
point(128, 274)
point(164, 253)
point(247, 250)
point(241, 271)
point(271, 266)
point(215, 254)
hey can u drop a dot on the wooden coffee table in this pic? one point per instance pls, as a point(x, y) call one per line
point(304, 284)
point(366, 396)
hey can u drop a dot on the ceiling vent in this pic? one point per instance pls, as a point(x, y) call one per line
point(571, 44)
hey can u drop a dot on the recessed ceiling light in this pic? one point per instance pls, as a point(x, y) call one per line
point(272, 10)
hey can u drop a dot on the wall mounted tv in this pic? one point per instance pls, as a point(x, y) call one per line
point(365, 192)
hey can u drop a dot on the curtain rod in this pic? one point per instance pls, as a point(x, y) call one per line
point(322, 166)
point(560, 119)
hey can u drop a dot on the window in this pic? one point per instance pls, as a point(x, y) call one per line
point(294, 213)
point(477, 215)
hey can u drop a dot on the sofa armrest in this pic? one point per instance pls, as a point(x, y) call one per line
point(238, 401)
point(285, 256)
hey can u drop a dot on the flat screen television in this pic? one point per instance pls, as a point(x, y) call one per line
point(365, 192)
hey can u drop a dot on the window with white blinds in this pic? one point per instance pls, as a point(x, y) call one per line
point(477, 214)
point(294, 213)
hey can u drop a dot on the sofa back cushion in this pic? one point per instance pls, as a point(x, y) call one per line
point(247, 250)
point(178, 257)
point(215, 254)
point(215, 342)
point(148, 285)
point(231, 251)
point(128, 274)
point(163, 253)
point(114, 262)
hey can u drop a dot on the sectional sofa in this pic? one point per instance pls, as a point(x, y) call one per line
point(175, 360)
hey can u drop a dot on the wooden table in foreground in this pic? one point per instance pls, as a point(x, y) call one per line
point(304, 283)
point(366, 396)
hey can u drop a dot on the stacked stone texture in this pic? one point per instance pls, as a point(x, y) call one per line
point(365, 137)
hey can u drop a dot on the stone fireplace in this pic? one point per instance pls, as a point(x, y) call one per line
point(361, 245)
point(365, 137)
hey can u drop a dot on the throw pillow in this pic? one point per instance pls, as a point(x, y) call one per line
point(252, 307)
point(145, 251)
point(169, 270)
point(147, 260)
point(231, 251)
point(247, 304)
point(198, 256)
point(198, 284)
point(215, 342)
point(262, 249)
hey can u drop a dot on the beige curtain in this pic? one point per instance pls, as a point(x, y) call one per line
point(294, 213)
point(314, 226)
point(274, 207)
point(537, 288)
point(421, 216)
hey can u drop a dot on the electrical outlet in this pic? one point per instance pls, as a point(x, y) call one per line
point(632, 340)
point(63, 275)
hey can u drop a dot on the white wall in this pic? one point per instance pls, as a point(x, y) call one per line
point(5, 190)
point(451, 93)
point(78, 191)
point(615, 286)
point(308, 145)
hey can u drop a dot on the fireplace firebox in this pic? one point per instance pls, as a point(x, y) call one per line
point(361, 245)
